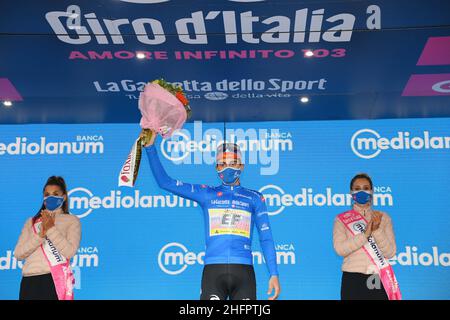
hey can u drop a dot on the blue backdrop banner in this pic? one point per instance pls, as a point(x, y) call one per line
point(144, 243)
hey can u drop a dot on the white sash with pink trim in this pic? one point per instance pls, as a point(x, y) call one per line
point(356, 224)
point(59, 266)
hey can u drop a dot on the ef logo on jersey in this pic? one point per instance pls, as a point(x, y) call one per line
point(229, 221)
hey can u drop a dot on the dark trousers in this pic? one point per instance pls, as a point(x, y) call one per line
point(354, 287)
point(228, 281)
point(38, 288)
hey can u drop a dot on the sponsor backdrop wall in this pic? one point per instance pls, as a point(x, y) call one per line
point(144, 243)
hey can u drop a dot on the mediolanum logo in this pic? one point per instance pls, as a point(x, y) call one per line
point(33, 146)
point(82, 201)
point(277, 199)
point(262, 146)
point(413, 256)
point(174, 257)
point(368, 143)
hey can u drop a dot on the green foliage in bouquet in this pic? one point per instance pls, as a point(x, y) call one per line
point(177, 91)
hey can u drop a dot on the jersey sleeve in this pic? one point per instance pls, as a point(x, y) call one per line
point(265, 234)
point(195, 192)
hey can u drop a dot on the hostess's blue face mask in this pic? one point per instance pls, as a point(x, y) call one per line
point(229, 175)
point(362, 196)
point(53, 203)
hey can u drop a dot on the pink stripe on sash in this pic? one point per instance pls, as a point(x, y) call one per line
point(62, 274)
point(386, 272)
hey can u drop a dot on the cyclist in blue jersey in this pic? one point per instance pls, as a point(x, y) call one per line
point(230, 211)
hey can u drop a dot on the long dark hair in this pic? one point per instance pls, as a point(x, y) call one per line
point(55, 181)
point(361, 176)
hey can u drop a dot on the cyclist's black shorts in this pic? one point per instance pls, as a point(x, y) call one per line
point(228, 281)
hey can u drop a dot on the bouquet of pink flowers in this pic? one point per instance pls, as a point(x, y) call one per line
point(164, 109)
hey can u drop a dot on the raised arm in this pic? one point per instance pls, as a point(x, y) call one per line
point(190, 191)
